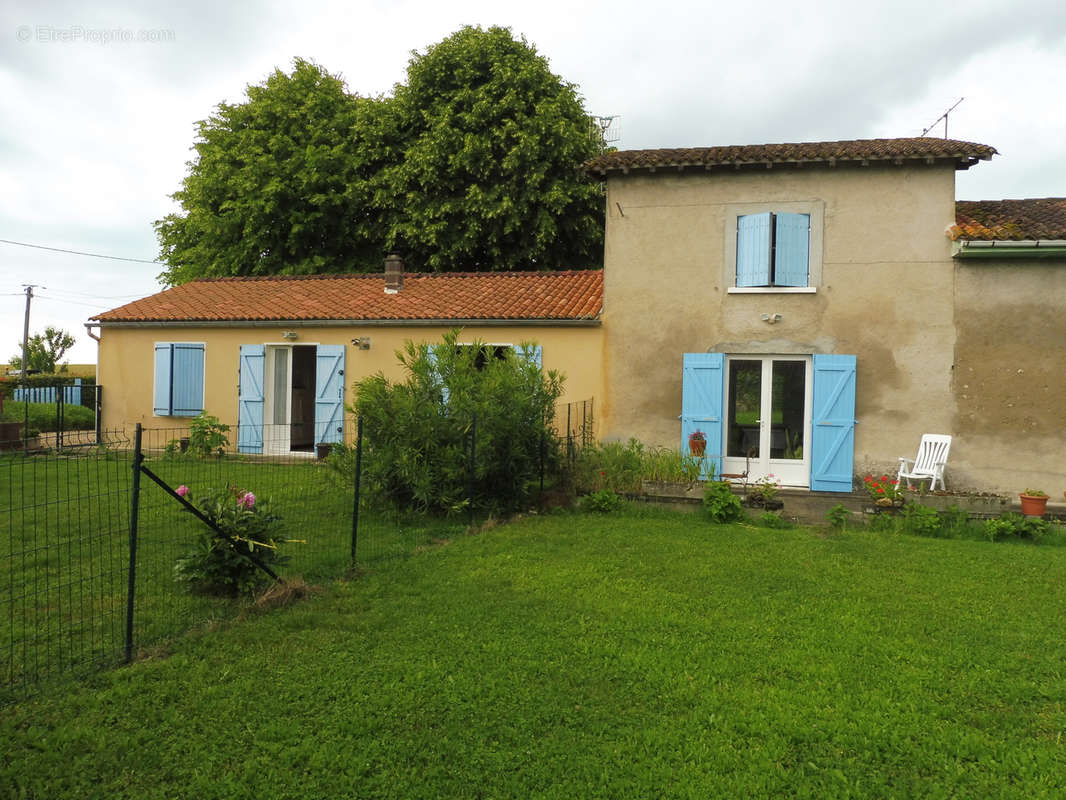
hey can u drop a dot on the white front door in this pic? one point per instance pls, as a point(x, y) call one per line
point(277, 416)
point(768, 418)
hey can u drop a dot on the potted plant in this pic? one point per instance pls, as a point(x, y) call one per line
point(885, 493)
point(763, 494)
point(1034, 502)
point(697, 443)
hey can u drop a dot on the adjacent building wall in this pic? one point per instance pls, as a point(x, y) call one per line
point(126, 361)
point(885, 294)
point(1010, 381)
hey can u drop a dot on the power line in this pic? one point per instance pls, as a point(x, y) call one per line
point(80, 253)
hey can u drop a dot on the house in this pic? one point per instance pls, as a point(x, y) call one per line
point(815, 308)
point(276, 357)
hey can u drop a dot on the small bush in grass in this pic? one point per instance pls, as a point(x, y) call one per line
point(955, 522)
point(838, 517)
point(220, 564)
point(920, 520)
point(768, 519)
point(1013, 525)
point(720, 503)
point(602, 502)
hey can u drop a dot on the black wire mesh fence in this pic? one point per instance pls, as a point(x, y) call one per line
point(68, 548)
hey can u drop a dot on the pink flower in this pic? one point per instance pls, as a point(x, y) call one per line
point(182, 490)
point(246, 500)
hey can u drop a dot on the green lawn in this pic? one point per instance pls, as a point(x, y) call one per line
point(64, 550)
point(648, 655)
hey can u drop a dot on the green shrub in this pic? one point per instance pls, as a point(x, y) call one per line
point(920, 520)
point(768, 519)
point(955, 522)
point(602, 502)
point(720, 502)
point(1013, 525)
point(220, 565)
point(610, 465)
point(622, 467)
point(417, 434)
point(43, 416)
point(207, 436)
point(838, 517)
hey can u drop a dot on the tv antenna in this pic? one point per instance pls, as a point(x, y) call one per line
point(944, 117)
point(603, 128)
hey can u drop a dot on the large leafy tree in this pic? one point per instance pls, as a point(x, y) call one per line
point(43, 351)
point(279, 185)
point(490, 178)
point(473, 164)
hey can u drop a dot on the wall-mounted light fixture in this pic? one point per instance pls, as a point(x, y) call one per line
point(771, 318)
point(362, 342)
point(290, 335)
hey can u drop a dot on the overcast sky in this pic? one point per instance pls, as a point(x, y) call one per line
point(99, 102)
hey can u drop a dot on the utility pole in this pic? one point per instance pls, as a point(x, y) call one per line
point(22, 372)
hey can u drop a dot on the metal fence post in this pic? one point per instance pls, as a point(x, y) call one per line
point(138, 458)
point(98, 407)
point(60, 391)
point(358, 475)
point(470, 475)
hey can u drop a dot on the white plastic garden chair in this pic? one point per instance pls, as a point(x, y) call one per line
point(929, 463)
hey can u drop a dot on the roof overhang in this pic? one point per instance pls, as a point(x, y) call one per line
point(354, 323)
point(1003, 248)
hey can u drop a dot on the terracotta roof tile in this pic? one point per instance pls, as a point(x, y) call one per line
point(1017, 220)
point(964, 154)
point(563, 295)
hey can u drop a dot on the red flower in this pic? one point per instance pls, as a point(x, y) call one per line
point(880, 490)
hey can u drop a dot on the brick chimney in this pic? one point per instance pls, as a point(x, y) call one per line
point(393, 273)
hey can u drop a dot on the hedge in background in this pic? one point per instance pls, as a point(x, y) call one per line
point(43, 416)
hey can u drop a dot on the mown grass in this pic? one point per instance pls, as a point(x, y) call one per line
point(642, 655)
point(64, 549)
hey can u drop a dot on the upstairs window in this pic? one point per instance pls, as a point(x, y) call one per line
point(773, 249)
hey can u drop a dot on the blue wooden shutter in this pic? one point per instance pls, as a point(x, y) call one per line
point(433, 362)
point(833, 412)
point(534, 352)
point(702, 398)
point(250, 411)
point(161, 404)
point(329, 393)
point(753, 250)
point(187, 380)
point(792, 253)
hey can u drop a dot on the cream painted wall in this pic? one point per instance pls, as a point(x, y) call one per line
point(886, 294)
point(126, 361)
point(1010, 381)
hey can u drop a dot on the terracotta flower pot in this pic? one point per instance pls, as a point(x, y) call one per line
point(698, 447)
point(1033, 506)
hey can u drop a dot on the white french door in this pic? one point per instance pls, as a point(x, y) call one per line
point(768, 418)
point(277, 411)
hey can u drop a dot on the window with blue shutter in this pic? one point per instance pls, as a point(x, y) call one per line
point(702, 399)
point(179, 379)
point(753, 249)
point(329, 393)
point(250, 398)
point(833, 423)
point(792, 236)
point(773, 249)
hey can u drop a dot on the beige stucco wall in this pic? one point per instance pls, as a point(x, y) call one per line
point(1011, 381)
point(885, 294)
point(126, 361)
